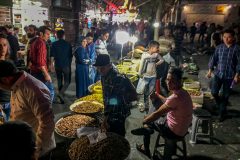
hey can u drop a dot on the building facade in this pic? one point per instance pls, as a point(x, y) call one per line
point(220, 12)
point(5, 12)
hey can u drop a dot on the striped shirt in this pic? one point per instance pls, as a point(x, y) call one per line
point(101, 47)
point(166, 45)
point(148, 62)
point(226, 61)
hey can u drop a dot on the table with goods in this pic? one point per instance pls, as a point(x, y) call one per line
point(81, 128)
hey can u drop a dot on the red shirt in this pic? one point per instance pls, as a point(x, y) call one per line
point(38, 55)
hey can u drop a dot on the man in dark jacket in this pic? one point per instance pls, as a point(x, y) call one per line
point(118, 93)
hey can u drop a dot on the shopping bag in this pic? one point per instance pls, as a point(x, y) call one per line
point(96, 137)
point(92, 73)
point(141, 86)
point(82, 131)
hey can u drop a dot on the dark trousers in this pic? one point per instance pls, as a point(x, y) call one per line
point(161, 127)
point(221, 100)
point(63, 78)
point(117, 126)
point(163, 87)
point(192, 37)
point(47, 156)
point(178, 59)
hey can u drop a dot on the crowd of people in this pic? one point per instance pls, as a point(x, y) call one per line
point(28, 94)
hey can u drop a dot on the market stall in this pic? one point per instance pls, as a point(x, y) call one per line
point(80, 128)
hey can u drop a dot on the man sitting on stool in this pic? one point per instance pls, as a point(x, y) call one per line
point(179, 109)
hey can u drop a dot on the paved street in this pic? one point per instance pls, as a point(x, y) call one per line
point(226, 144)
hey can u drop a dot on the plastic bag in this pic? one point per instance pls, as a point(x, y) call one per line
point(96, 136)
point(85, 131)
point(141, 86)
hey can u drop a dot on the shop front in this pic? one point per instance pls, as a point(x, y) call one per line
point(26, 12)
point(5, 12)
point(224, 13)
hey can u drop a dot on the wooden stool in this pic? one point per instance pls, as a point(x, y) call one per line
point(170, 148)
point(200, 115)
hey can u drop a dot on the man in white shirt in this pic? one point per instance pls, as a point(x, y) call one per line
point(31, 103)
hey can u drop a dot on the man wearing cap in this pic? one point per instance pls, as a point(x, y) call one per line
point(118, 93)
point(31, 103)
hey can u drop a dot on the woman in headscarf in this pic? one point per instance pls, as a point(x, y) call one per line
point(82, 69)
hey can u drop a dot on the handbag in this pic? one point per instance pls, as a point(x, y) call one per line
point(141, 86)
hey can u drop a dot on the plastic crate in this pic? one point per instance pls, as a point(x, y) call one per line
point(191, 85)
point(197, 99)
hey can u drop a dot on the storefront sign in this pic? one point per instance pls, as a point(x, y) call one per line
point(220, 9)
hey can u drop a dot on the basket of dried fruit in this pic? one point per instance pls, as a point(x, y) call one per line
point(114, 147)
point(67, 125)
point(92, 97)
point(196, 96)
point(95, 88)
point(87, 107)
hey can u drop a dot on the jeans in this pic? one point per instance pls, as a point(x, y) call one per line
point(222, 100)
point(51, 89)
point(149, 88)
point(63, 75)
point(6, 110)
point(92, 74)
point(49, 85)
point(117, 126)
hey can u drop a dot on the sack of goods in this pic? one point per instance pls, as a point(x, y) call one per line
point(114, 147)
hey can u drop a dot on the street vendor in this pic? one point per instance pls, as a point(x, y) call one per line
point(118, 93)
point(177, 108)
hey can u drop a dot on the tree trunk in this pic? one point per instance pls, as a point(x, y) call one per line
point(178, 13)
point(157, 20)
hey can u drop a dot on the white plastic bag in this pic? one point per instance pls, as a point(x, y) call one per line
point(96, 137)
point(141, 86)
point(85, 131)
point(169, 59)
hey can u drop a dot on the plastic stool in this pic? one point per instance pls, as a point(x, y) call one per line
point(200, 115)
point(170, 148)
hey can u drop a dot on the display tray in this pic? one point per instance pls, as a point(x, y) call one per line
point(67, 125)
point(87, 107)
point(93, 88)
point(98, 84)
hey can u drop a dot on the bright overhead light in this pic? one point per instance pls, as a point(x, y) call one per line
point(156, 24)
point(122, 37)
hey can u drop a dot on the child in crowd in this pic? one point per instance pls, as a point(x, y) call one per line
point(147, 71)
